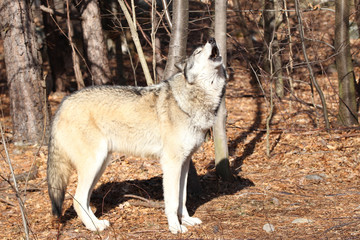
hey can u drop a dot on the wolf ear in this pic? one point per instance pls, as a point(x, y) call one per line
point(181, 66)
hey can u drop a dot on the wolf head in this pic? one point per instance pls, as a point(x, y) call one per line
point(204, 66)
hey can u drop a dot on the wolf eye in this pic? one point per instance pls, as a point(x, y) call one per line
point(197, 51)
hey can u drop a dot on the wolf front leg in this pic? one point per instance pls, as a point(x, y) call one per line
point(171, 183)
point(183, 213)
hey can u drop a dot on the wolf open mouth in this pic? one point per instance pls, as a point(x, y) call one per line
point(215, 54)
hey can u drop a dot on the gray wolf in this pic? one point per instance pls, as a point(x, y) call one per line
point(168, 121)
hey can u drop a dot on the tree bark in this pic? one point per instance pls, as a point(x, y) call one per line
point(220, 138)
point(348, 115)
point(178, 40)
point(95, 42)
point(28, 105)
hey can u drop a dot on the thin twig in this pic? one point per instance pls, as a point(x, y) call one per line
point(127, 47)
point(2, 199)
point(77, 70)
point(137, 197)
point(153, 37)
point(161, 16)
point(21, 205)
point(167, 15)
point(291, 59)
point(145, 202)
point(311, 73)
point(67, 37)
point(136, 40)
point(53, 12)
point(340, 226)
point(268, 119)
point(282, 10)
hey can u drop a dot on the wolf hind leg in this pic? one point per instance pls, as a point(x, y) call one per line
point(88, 176)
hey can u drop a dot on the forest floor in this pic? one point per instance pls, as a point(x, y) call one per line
point(309, 187)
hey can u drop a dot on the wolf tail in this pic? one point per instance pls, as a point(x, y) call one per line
point(58, 173)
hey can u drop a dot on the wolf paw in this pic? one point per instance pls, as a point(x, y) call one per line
point(190, 221)
point(178, 229)
point(98, 225)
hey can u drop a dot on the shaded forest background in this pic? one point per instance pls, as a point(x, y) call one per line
point(295, 176)
point(84, 43)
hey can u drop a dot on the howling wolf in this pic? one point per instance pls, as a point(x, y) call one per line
point(168, 121)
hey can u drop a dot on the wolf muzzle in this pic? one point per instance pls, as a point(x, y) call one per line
point(215, 53)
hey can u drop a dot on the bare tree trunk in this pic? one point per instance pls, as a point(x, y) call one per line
point(348, 115)
point(220, 138)
point(273, 61)
point(28, 105)
point(178, 40)
point(95, 42)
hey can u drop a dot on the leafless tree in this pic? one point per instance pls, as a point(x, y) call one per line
point(220, 138)
point(313, 80)
point(273, 64)
point(94, 41)
point(28, 105)
point(179, 32)
point(347, 94)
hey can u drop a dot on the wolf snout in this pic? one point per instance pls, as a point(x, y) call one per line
point(215, 53)
point(212, 41)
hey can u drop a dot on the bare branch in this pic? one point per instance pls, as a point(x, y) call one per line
point(311, 73)
point(76, 63)
point(53, 12)
point(136, 40)
point(167, 14)
point(21, 204)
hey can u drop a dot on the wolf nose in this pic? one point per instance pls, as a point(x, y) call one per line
point(212, 41)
